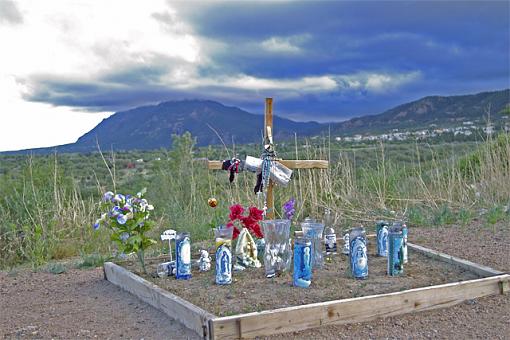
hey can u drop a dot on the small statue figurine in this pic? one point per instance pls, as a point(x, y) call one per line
point(204, 263)
point(246, 250)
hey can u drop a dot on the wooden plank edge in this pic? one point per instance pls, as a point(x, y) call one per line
point(190, 315)
point(504, 287)
point(330, 312)
point(292, 164)
point(305, 164)
point(214, 165)
point(471, 266)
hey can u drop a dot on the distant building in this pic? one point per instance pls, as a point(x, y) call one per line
point(489, 129)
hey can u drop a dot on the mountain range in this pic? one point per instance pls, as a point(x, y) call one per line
point(441, 111)
point(151, 127)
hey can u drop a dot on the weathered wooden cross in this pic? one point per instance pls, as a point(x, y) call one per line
point(291, 164)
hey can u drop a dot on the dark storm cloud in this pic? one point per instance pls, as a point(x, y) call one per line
point(98, 96)
point(9, 13)
point(136, 75)
point(347, 36)
point(424, 48)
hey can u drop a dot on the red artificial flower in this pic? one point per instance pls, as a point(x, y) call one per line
point(236, 212)
point(250, 222)
point(255, 229)
point(256, 214)
point(252, 225)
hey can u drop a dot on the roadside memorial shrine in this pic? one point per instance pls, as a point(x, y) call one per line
point(287, 285)
point(269, 168)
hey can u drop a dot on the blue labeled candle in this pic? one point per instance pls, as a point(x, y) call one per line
point(358, 253)
point(382, 238)
point(223, 255)
point(302, 276)
point(183, 256)
point(395, 251)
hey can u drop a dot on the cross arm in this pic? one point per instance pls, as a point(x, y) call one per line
point(291, 164)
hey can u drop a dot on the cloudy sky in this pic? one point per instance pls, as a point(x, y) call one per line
point(67, 64)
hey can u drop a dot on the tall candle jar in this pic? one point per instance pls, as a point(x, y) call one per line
point(302, 275)
point(183, 256)
point(313, 231)
point(223, 255)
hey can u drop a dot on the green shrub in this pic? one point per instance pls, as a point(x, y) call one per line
point(444, 216)
point(495, 214)
point(56, 268)
point(417, 217)
point(465, 216)
point(92, 261)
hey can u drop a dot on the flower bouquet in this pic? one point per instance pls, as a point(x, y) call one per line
point(128, 219)
point(246, 248)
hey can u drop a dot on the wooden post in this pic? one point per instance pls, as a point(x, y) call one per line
point(268, 136)
point(291, 164)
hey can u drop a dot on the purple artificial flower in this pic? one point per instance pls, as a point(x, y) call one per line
point(119, 198)
point(97, 224)
point(108, 196)
point(122, 219)
point(116, 211)
point(288, 208)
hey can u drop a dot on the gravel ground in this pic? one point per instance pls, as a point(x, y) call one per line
point(77, 304)
point(255, 292)
point(80, 304)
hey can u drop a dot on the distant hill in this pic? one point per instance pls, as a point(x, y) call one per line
point(442, 111)
point(151, 127)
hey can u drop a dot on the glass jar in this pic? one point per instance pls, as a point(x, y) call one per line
point(223, 254)
point(277, 250)
point(302, 275)
point(313, 231)
point(183, 256)
point(381, 230)
point(395, 250)
point(358, 253)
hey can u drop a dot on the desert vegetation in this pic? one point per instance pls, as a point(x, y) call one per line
point(50, 202)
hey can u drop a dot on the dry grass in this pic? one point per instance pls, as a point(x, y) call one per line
point(44, 215)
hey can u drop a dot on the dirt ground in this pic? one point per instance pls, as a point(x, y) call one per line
point(251, 291)
point(80, 304)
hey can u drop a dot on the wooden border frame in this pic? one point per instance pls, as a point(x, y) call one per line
point(296, 318)
point(193, 317)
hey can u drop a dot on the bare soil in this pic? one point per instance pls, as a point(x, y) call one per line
point(81, 304)
point(77, 304)
point(251, 291)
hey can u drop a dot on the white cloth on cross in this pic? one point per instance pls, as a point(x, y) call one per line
point(280, 174)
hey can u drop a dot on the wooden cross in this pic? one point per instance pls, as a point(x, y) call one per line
point(291, 164)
